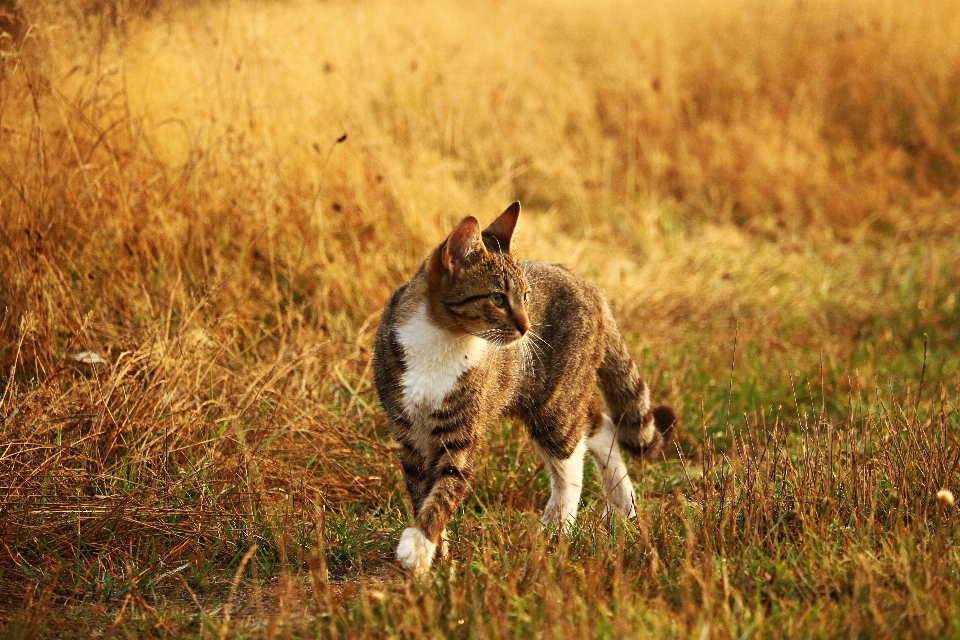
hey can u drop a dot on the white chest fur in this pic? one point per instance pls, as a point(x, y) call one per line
point(435, 360)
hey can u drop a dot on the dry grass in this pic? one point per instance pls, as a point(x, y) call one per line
point(768, 193)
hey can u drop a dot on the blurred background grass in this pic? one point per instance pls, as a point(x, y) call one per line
point(768, 192)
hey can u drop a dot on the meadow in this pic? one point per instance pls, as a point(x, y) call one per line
point(204, 206)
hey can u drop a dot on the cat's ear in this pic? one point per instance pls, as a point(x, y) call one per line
point(464, 240)
point(497, 236)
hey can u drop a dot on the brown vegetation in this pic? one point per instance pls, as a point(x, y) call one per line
point(774, 186)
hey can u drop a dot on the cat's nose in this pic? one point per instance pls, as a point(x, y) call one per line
point(522, 323)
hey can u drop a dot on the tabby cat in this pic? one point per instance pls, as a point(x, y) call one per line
point(476, 336)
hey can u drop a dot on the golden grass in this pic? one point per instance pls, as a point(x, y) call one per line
point(175, 197)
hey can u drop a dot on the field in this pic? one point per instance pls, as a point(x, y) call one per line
point(204, 206)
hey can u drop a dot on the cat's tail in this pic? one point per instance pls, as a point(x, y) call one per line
point(641, 430)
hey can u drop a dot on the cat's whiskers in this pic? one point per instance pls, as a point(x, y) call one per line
point(493, 336)
point(524, 357)
point(533, 351)
point(537, 336)
point(497, 337)
point(537, 349)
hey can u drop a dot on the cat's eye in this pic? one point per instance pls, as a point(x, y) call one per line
point(499, 300)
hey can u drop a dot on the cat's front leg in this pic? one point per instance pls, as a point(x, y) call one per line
point(414, 549)
point(417, 553)
point(450, 476)
point(416, 473)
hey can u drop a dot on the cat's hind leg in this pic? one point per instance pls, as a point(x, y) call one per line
point(566, 484)
point(614, 478)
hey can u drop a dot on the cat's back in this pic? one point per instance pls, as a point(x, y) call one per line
point(570, 324)
point(569, 317)
point(557, 291)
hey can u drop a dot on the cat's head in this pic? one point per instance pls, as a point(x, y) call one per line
point(475, 285)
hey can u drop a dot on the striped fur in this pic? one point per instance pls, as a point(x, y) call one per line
point(476, 336)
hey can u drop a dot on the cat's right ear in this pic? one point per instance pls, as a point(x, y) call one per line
point(464, 240)
point(500, 232)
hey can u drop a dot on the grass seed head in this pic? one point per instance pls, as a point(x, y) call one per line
point(88, 357)
point(945, 497)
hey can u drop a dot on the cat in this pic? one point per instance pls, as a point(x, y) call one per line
point(476, 336)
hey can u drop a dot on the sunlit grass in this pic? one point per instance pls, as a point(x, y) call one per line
point(193, 259)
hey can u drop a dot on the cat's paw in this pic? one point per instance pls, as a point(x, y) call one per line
point(621, 500)
point(415, 552)
point(557, 519)
point(625, 509)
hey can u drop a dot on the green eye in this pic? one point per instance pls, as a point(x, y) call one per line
point(499, 300)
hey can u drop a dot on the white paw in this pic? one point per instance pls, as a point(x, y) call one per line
point(415, 552)
point(627, 509)
point(621, 500)
point(556, 516)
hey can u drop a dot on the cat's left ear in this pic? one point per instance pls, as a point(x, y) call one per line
point(498, 235)
point(464, 240)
